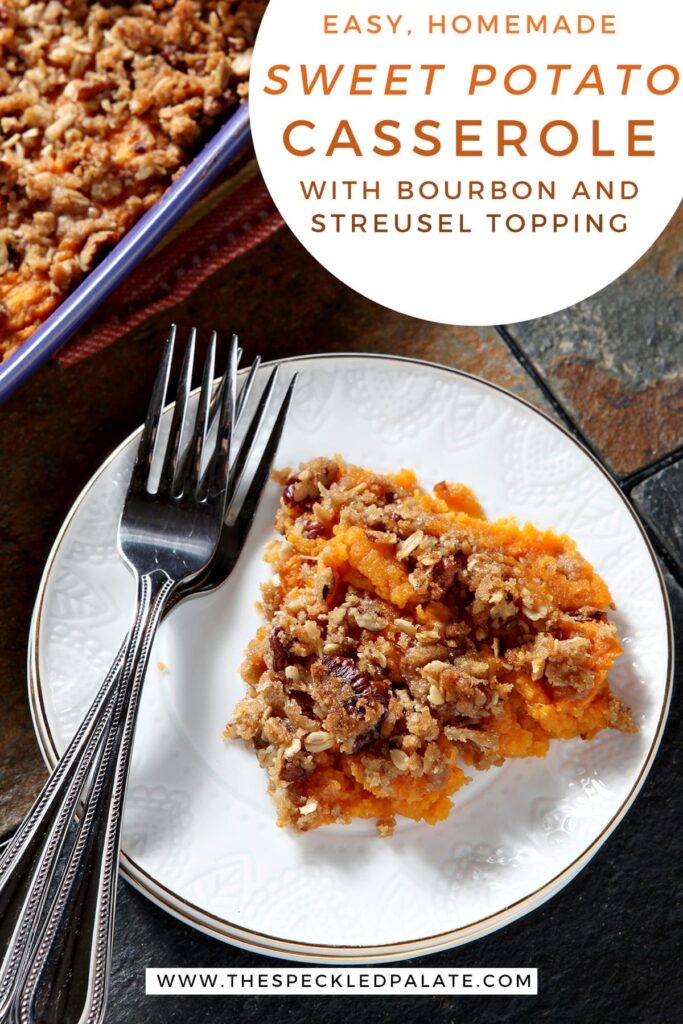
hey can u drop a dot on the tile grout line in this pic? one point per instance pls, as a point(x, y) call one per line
point(663, 554)
point(626, 481)
point(639, 476)
point(665, 557)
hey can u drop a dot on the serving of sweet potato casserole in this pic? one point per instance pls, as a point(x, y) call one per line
point(407, 639)
point(101, 105)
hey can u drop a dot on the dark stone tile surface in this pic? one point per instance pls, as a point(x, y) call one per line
point(616, 359)
point(659, 499)
point(605, 947)
point(282, 302)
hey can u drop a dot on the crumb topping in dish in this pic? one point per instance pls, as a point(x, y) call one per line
point(406, 637)
point(101, 105)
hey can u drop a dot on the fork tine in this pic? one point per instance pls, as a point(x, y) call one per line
point(215, 405)
point(189, 474)
point(218, 393)
point(216, 476)
point(245, 390)
point(175, 436)
point(252, 498)
point(145, 453)
point(247, 445)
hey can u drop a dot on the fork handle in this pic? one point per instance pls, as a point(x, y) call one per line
point(67, 977)
point(29, 858)
point(28, 863)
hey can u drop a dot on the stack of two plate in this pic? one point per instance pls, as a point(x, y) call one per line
point(199, 834)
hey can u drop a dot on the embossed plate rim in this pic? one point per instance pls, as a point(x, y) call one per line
point(257, 941)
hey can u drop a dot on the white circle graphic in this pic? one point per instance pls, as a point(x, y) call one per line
point(471, 164)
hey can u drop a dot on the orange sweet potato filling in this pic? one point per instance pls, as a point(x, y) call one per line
point(526, 696)
point(342, 783)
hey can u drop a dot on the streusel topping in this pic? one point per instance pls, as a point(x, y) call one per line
point(405, 637)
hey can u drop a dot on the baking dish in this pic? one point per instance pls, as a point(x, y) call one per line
point(75, 310)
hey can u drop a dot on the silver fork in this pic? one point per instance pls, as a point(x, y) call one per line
point(67, 969)
point(29, 858)
point(167, 538)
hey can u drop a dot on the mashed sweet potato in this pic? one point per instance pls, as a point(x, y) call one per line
point(407, 636)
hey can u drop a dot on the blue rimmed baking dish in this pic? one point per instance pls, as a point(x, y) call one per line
point(73, 312)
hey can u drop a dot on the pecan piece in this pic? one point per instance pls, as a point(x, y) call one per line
point(443, 577)
point(369, 742)
point(588, 615)
point(278, 650)
point(292, 772)
point(346, 671)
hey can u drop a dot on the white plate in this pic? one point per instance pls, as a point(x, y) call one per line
point(199, 834)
